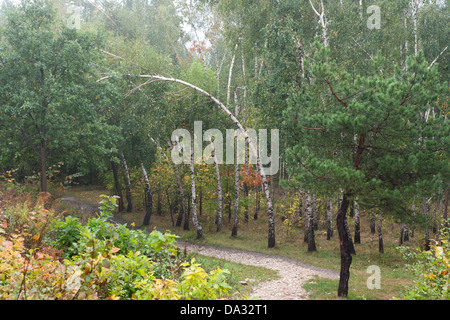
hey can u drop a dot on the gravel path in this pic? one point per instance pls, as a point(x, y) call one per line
point(293, 274)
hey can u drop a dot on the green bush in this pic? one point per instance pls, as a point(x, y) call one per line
point(432, 269)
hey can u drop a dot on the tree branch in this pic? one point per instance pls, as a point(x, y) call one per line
point(345, 104)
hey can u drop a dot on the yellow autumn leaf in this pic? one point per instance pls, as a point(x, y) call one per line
point(439, 252)
point(114, 250)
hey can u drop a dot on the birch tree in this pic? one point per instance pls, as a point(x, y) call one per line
point(252, 147)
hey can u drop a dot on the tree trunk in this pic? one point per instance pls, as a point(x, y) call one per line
point(257, 203)
point(427, 230)
point(300, 204)
point(197, 225)
point(117, 186)
point(311, 227)
point(236, 198)
point(357, 222)
point(315, 214)
point(180, 213)
point(415, 15)
point(329, 218)
point(444, 215)
point(171, 209)
point(402, 233)
point(43, 162)
point(148, 197)
point(184, 207)
point(307, 216)
point(236, 174)
point(309, 224)
point(380, 233)
point(372, 222)
point(346, 258)
point(127, 183)
point(350, 240)
point(219, 191)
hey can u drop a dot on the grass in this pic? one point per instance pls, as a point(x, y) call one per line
point(252, 236)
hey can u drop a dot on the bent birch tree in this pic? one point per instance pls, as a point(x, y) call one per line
point(252, 147)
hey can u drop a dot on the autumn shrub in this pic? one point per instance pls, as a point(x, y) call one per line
point(432, 270)
point(96, 260)
point(32, 223)
point(28, 273)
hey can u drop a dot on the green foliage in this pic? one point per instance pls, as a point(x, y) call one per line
point(195, 284)
point(431, 268)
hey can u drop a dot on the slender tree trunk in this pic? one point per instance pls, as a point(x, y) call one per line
point(310, 213)
point(346, 257)
point(413, 226)
point(444, 214)
point(415, 14)
point(357, 222)
point(236, 173)
point(219, 191)
point(148, 197)
point(427, 230)
point(406, 233)
point(329, 218)
point(236, 198)
point(180, 213)
point(127, 183)
point(372, 221)
point(43, 162)
point(315, 214)
point(195, 221)
point(257, 203)
point(230, 73)
point(184, 207)
point(117, 185)
point(402, 233)
point(307, 216)
point(200, 199)
point(300, 203)
point(380, 233)
point(171, 209)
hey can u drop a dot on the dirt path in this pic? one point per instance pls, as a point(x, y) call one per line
point(293, 274)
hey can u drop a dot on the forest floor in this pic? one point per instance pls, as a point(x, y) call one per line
point(299, 274)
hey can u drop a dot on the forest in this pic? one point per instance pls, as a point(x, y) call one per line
point(150, 148)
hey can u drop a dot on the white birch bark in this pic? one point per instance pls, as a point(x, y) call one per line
point(329, 218)
point(357, 222)
point(322, 20)
point(195, 221)
point(230, 74)
point(219, 190)
point(127, 183)
point(148, 197)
